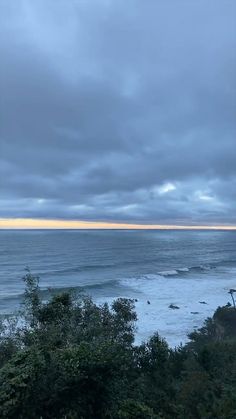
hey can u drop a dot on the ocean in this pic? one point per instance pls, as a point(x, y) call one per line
point(191, 269)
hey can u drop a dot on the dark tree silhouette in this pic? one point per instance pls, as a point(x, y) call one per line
point(231, 292)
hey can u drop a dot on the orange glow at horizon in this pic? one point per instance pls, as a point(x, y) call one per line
point(28, 223)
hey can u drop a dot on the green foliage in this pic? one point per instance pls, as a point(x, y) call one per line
point(31, 298)
point(132, 409)
point(69, 358)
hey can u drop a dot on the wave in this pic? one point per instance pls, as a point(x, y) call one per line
point(12, 297)
point(81, 287)
point(76, 269)
point(184, 272)
point(183, 269)
point(63, 271)
point(178, 271)
point(130, 281)
point(202, 268)
point(101, 266)
point(45, 292)
point(169, 273)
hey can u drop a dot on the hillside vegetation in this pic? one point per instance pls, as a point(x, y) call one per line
point(69, 358)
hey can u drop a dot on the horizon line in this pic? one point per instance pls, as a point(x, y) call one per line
point(58, 224)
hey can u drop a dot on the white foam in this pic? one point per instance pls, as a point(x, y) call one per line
point(168, 273)
point(139, 283)
point(183, 269)
point(186, 292)
point(205, 268)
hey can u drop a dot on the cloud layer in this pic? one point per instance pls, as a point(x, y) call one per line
point(118, 110)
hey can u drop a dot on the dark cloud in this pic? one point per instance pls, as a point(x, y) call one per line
point(120, 111)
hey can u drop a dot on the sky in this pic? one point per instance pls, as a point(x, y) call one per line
point(118, 112)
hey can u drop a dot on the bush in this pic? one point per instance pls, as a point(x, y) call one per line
point(69, 358)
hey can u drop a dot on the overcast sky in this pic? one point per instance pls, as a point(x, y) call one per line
point(118, 110)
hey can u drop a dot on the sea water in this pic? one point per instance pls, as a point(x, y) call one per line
point(192, 270)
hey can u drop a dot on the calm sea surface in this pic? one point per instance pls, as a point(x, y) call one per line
point(164, 267)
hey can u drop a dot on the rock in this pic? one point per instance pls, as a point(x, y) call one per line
point(194, 312)
point(173, 306)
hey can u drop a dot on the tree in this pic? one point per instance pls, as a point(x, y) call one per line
point(231, 292)
point(70, 358)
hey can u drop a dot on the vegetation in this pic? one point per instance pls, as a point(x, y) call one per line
point(69, 358)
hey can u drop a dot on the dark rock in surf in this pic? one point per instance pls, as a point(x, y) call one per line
point(174, 307)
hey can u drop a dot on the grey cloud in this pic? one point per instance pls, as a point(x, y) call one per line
point(102, 104)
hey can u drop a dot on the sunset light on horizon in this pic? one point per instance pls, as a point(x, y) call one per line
point(29, 223)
